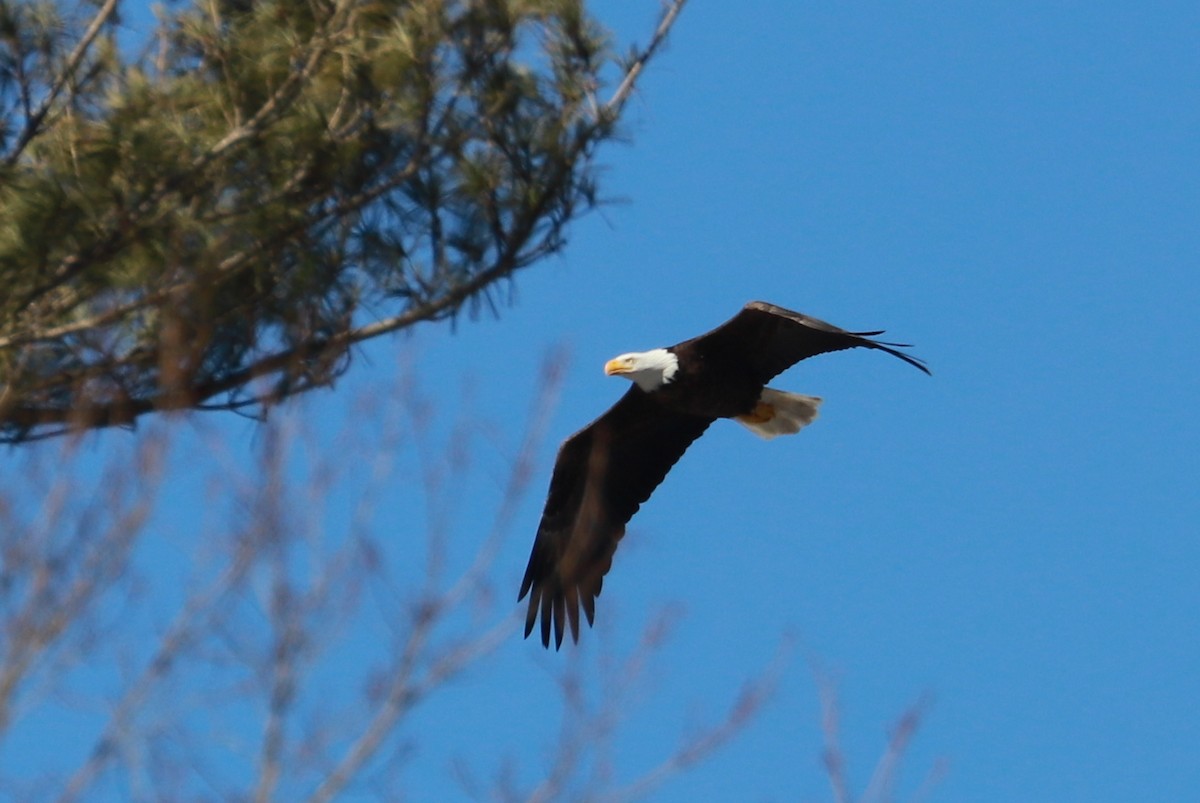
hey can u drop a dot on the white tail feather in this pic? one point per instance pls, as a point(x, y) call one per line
point(791, 413)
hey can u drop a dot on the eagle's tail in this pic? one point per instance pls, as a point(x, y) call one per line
point(780, 413)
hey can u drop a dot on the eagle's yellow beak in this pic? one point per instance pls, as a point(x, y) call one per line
point(616, 366)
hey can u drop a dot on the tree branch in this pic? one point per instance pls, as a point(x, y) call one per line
point(34, 121)
point(633, 72)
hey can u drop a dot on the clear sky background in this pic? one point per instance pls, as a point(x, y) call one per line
point(1013, 187)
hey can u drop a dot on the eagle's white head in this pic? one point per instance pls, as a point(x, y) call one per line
point(649, 370)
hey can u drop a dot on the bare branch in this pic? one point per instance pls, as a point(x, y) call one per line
point(419, 671)
point(287, 632)
point(406, 691)
point(257, 619)
point(63, 585)
point(881, 787)
point(753, 696)
point(188, 627)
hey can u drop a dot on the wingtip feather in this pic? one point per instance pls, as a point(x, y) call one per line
point(546, 619)
point(560, 614)
point(530, 616)
point(589, 608)
point(572, 605)
point(894, 350)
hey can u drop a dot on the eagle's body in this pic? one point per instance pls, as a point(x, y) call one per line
point(606, 470)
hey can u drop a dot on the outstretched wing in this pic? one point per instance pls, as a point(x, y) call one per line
point(770, 339)
point(602, 475)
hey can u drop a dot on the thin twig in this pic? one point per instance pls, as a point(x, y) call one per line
point(832, 755)
point(287, 637)
point(881, 787)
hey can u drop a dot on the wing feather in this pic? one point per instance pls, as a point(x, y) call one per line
point(602, 475)
point(772, 339)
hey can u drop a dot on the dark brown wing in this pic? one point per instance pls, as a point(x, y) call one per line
point(771, 339)
point(602, 475)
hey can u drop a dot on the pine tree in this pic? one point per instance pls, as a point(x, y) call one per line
point(215, 222)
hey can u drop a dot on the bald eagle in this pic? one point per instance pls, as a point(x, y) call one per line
point(609, 468)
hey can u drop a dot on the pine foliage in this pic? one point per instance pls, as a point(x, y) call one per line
point(213, 223)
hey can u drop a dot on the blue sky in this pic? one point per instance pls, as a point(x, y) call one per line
point(1012, 187)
